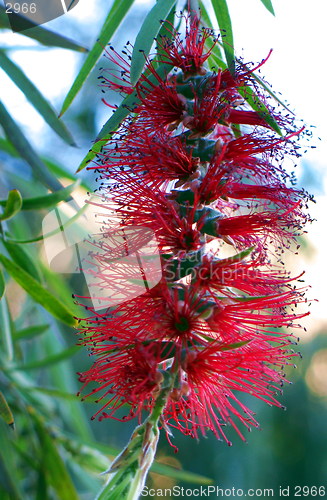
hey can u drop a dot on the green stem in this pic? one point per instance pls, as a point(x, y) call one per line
point(131, 467)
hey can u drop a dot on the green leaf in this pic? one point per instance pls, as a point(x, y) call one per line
point(12, 205)
point(54, 465)
point(51, 233)
point(22, 259)
point(49, 200)
point(43, 35)
point(112, 22)
point(225, 26)
point(38, 292)
point(181, 475)
point(26, 151)
point(50, 360)
point(144, 40)
point(5, 323)
point(165, 33)
point(30, 332)
point(8, 465)
point(54, 393)
point(269, 6)
point(253, 100)
point(2, 284)
point(35, 97)
point(5, 411)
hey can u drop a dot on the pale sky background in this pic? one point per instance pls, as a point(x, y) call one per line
point(298, 37)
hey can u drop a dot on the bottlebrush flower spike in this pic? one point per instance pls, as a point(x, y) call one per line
point(179, 167)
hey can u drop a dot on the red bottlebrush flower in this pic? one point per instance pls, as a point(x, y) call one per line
point(156, 158)
point(160, 107)
point(207, 329)
point(258, 229)
point(214, 374)
point(124, 376)
point(250, 277)
point(245, 117)
point(248, 318)
point(188, 54)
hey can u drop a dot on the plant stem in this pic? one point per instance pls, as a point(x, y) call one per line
point(131, 467)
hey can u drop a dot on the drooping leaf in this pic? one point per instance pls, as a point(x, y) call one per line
point(59, 229)
point(112, 22)
point(225, 26)
point(206, 21)
point(12, 205)
point(49, 200)
point(257, 105)
point(30, 332)
point(22, 259)
point(8, 466)
point(50, 360)
point(269, 6)
point(55, 467)
point(2, 284)
point(165, 470)
point(144, 40)
point(43, 35)
point(5, 411)
point(165, 33)
point(35, 97)
point(26, 151)
point(38, 292)
point(6, 330)
point(54, 393)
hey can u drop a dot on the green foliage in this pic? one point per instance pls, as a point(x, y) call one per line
point(148, 32)
point(225, 26)
point(115, 16)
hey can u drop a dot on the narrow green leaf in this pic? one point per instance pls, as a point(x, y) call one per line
point(164, 33)
point(38, 292)
point(2, 284)
point(50, 360)
point(22, 259)
point(5, 411)
point(51, 233)
point(54, 393)
point(98, 145)
point(35, 97)
point(30, 332)
point(253, 100)
point(10, 484)
point(236, 345)
point(49, 200)
point(12, 205)
point(225, 26)
point(112, 22)
point(165, 470)
point(181, 475)
point(270, 92)
point(144, 40)
point(54, 465)
point(43, 35)
point(5, 324)
point(269, 6)
point(26, 151)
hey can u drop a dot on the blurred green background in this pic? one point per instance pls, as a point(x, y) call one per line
point(53, 450)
